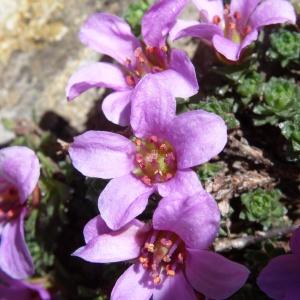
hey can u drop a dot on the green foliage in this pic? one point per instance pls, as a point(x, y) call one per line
point(284, 47)
point(291, 131)
point(224, 108)
point(263, 207)
point(280, 101)
point(135, 13)
point(209, 170)
point(250, 86)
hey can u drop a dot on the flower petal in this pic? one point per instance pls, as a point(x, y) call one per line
point(116, 107)
point(94, 228)
point(122, 200)
point(194, 218)
point(293, 293)
point(249, 38)
point(273, 12)
point(114, 246)
point(102, 154)
point(110, 35)
point(210, 8)
point(15, 259)
point(181, 75)
point(295, 241)
point(202, 31)
point(132, 285)
point(179, 26)
point(281, 274)
point(159, 19)
point(95, 75)
point(20, 167)
point(245, 8)
point(197, 137)
point(226, 47)
point(185, 182)
point(152, 108)
point(214, 275)
point(175, 288)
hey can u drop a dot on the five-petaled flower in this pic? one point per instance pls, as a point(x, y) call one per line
point(158, 157)
point(112, 36)
point(171, 256)
point(12, 289)
point(280, 279)
point(19, 174)
point(234, 27)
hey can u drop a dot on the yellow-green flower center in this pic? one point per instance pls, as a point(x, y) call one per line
point(155, 160)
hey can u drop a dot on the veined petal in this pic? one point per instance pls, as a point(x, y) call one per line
point(202, 31)
point(197, 137)
point(195, 219)
point(279, 276)
point(273, 12)
point(179, 26)
point(181, 75)
point(110, 35)
point(15, 259)
point(132, 285)
point(244, 8)
point(213, 275)
point(96, 75)
point(152, 107)
point(249, 38)
point(114, 246)
point(185, 182)
point(116, 107)
point(175, 288)
point(94, 228)
point(226, 47)
point(102, 154)
point(122, 200)
point(295, 242)
point(19, 166)
point(159, 19)
point(210, 8)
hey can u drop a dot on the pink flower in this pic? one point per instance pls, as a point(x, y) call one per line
point(12, 289)
point(159, 156)
point(235, 27)
point(19, 173)
point(171, 256)
point(280, 279)
point(110, 35)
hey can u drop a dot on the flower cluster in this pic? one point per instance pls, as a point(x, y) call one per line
point(172, 255)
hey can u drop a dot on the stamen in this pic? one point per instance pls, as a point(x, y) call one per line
point(149, 247)
point(130, 80)
point(146, 180)
point(237, 15)
point(216, 20)
point(180, 257)
point(170, 271)
point(157, 280)
point(164, 48)
point(232, 26)
point(247, 29)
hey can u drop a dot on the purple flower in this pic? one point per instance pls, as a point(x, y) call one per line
point(110, 35)
point(19, 173)
point(280, 279)
point(171, 256)
point(12, 289)
point(233, 28)
point(158, 157)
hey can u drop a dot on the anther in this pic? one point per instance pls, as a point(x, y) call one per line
point(164, 48)
point(157, 280)
point(146, 180)
point(130, 80)
point(166, 242)
point(232, 26)
point(149, 247)
point(247, 29)
point(180, 257)
point(170, 271)
point(216, 20)
point(237, 15)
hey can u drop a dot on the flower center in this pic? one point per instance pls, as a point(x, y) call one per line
point(148, 60)
point(9, 204)
point(162, 255)
point(155, 160)
point(232, 25)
